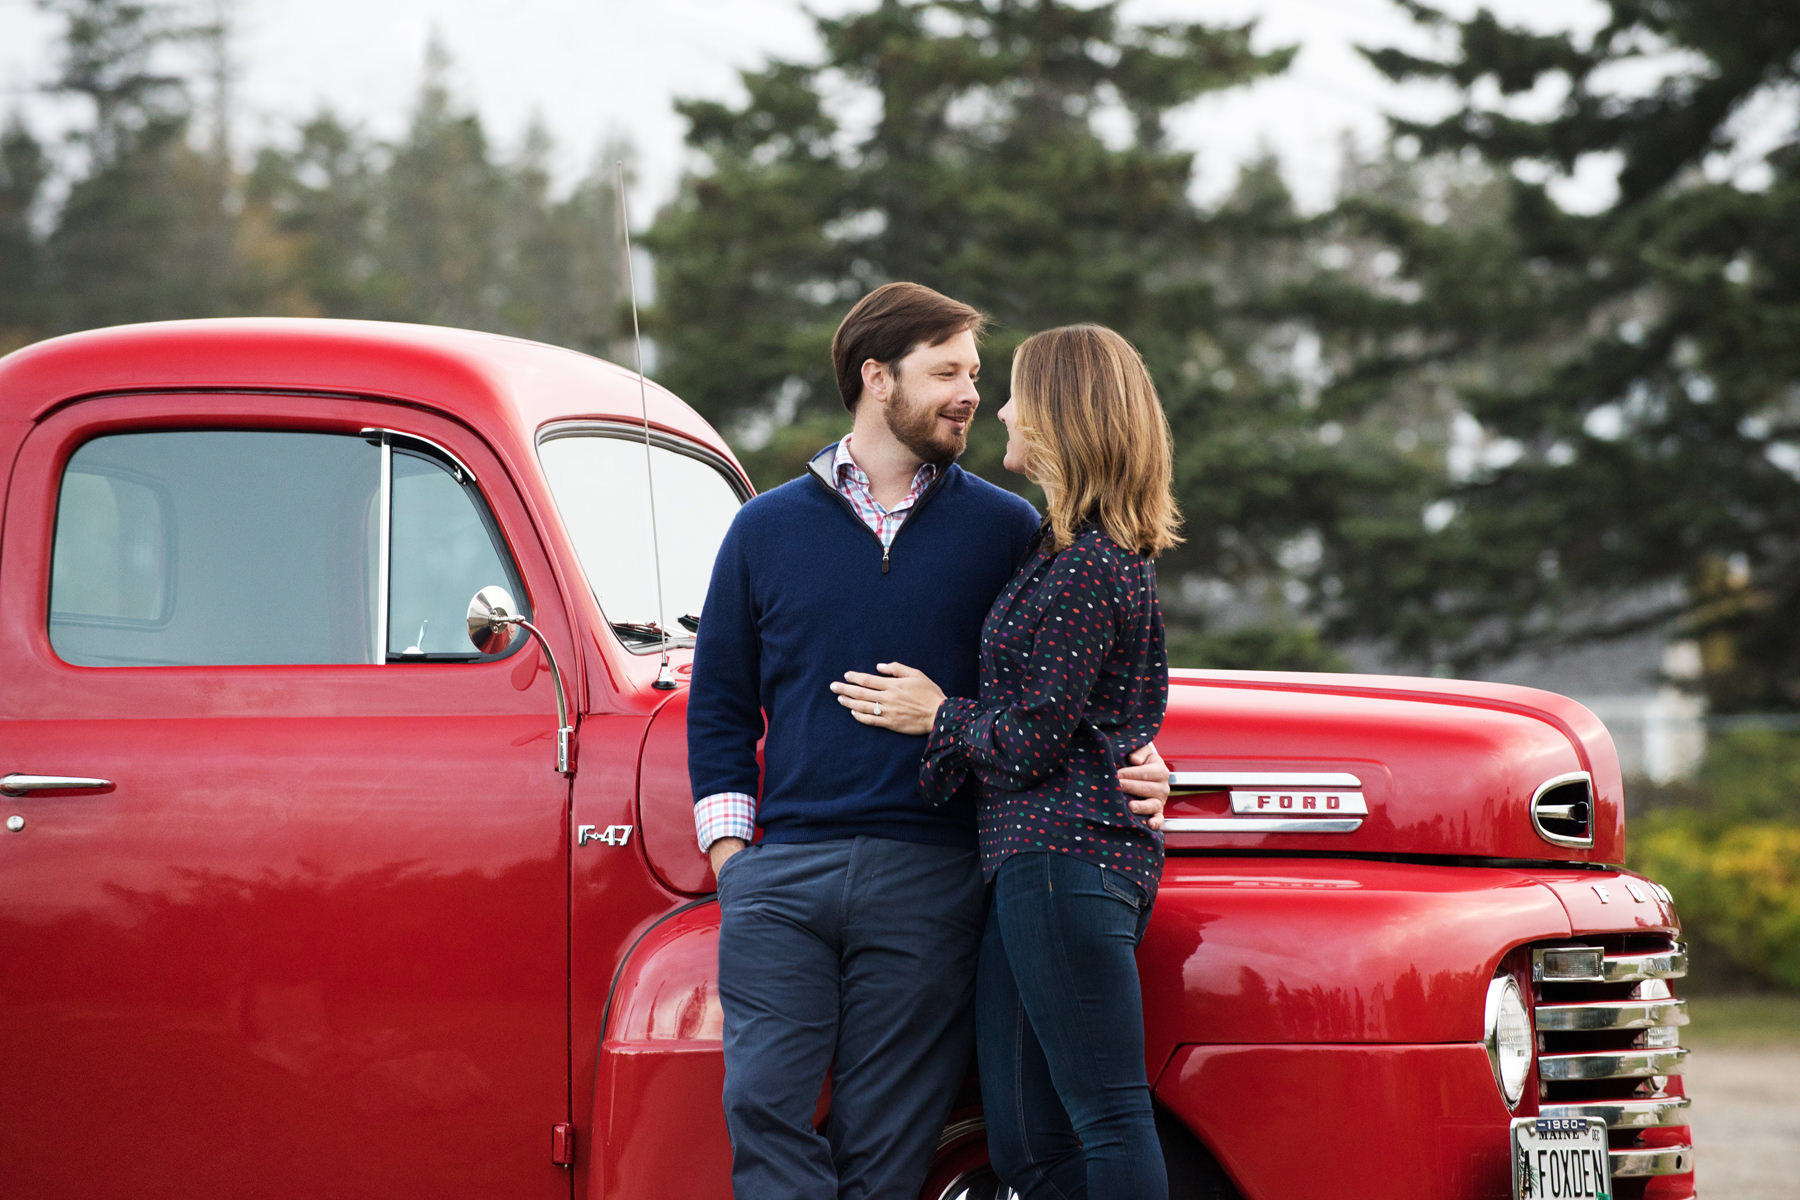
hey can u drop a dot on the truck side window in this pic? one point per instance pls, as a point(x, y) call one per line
point(220, 547)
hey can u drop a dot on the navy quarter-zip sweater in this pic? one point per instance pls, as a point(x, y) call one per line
point(801, 592)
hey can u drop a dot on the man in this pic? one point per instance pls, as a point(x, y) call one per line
point(849, 933)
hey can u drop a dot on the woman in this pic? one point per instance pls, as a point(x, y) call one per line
point(1073, 679)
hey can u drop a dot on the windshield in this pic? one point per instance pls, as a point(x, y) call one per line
point(599, 478)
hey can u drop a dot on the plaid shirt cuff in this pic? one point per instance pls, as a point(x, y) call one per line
point(722, 815)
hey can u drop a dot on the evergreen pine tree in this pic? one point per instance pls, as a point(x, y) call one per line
point(439, 254)
point(136, 235)
point(564, 257)
point(23, 171)
point(1630, 369)
point(1014, 154)
point(311, 223)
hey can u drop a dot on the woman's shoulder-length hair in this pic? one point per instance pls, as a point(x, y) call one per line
point(1099, 440)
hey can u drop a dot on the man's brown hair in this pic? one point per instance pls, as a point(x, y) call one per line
point(887, 323)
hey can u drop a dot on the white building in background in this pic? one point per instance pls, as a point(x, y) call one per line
point(1644, 686)
point(1641, 686)
point(1660, 734)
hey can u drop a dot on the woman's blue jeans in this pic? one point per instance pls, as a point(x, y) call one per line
point(1060, 1033)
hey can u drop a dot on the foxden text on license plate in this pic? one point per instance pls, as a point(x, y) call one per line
point(1560, 1158)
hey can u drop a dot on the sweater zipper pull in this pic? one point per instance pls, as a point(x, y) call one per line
point(884, 560)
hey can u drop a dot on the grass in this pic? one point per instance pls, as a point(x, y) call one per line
point(1743, 1020)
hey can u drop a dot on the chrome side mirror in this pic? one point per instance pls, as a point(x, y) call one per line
point(493, 620)
point(494, 625)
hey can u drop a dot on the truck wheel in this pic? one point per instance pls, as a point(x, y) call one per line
point(978, 1184)
point(961, 1171)
point(1193, 1172)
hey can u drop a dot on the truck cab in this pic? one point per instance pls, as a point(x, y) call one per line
point(303, 892)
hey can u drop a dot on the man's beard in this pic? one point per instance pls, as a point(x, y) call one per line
point(914, 425)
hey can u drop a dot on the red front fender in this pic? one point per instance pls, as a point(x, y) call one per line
point(1251, 951)
point(659, 1129)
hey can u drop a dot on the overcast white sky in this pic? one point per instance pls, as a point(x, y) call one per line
point(592, 67)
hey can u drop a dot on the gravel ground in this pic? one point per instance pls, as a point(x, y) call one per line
point(1746, 1122)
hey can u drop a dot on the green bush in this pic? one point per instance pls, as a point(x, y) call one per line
point(1754, 774)
point(1736, 886)
point(1269, 647)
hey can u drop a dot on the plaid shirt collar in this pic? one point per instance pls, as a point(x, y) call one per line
point(853, 483)
point(845, 470)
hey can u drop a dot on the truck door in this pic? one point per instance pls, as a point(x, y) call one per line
point(283, 905)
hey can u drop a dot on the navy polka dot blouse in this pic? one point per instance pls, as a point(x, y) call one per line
point(1074, 677)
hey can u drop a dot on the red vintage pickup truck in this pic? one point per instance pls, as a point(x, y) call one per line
point(307, 892)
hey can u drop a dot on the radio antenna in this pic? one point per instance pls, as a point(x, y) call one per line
point(665, 678)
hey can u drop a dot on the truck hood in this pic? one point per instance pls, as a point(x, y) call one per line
point(1388, 765)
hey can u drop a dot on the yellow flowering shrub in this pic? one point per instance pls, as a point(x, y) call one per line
point(1736, 886)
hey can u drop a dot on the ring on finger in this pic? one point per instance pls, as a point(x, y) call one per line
point(876, 711)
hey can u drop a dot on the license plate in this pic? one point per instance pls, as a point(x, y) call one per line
point(1560, 1158)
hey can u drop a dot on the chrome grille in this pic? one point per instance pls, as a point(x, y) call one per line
point(1610, 1014)
point(1634, 1064)
point(1607, 1032)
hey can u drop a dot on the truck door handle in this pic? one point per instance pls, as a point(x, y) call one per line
point(23, 785)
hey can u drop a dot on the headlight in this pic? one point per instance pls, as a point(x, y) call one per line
point(1509, 1042)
